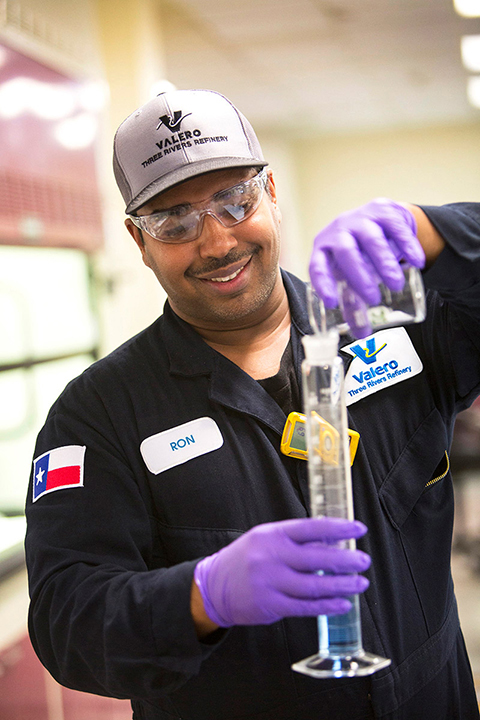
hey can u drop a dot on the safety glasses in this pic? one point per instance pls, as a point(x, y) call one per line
point(183, 223)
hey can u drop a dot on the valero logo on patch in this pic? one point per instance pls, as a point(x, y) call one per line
point(369, 353)
point(390, 357)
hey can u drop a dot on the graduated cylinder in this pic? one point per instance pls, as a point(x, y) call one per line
point(340, 652)
point(329, 475)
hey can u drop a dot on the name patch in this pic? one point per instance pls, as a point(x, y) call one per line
point(380, 360)
point(179, 444)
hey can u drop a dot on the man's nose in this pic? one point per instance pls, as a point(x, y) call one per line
point(215, 240)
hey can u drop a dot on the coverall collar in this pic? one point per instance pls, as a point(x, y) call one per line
point(230, 386)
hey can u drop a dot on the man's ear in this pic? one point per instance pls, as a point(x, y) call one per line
point(272, 194)
point(137, 235)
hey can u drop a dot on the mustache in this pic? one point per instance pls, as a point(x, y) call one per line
point(231, 257)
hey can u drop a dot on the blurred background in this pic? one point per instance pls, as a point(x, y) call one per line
point(350, 100)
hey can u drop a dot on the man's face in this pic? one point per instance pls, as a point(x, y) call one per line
point(227, 278)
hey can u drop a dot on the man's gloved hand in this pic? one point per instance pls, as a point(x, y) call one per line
point(364, 246)
point(271, 572)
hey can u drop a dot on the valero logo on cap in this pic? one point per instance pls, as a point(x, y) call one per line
point(173, 124)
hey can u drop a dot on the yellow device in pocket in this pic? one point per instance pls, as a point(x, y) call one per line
point(294, 439)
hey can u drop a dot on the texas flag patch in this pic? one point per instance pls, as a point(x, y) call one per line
point(57, 469)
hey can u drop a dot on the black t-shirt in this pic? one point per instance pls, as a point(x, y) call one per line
point(283, 387)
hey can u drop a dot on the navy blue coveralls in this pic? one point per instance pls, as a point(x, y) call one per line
point(111, 563)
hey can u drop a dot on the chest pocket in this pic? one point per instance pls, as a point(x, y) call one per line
point(426, 452)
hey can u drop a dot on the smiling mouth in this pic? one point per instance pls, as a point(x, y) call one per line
point(228, 278)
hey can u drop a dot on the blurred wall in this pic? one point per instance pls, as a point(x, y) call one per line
point(129, 36)
point(426, 166)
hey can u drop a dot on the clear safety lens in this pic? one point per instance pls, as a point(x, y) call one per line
point(183, 223)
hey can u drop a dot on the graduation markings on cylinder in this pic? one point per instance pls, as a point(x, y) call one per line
point(328, 492)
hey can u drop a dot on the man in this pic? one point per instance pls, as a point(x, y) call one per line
point(171, 557)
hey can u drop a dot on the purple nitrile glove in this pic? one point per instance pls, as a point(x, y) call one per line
point(363, 247)
point(271, 572)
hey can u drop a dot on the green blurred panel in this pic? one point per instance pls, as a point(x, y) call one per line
point(45, 304)
point(46, 314)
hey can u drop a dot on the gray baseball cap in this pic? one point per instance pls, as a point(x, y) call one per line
point(176, 136)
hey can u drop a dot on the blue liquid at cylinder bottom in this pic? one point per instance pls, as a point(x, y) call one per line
point(340, 634)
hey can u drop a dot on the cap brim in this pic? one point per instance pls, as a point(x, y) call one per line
point(188, 171)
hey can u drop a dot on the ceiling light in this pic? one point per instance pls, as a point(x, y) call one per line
point(45, 100)
point(77, 132)
point(14, 97)
point(470, 45)
point(467, 8)
point(93, 95)
point(473, 91)
point(50, 101)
